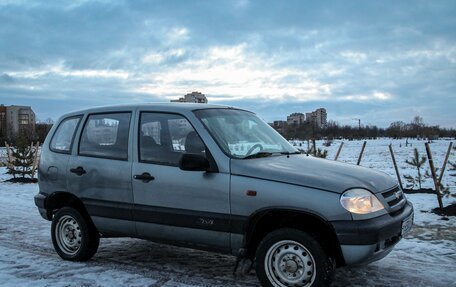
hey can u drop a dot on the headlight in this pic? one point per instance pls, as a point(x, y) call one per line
point(360, 201)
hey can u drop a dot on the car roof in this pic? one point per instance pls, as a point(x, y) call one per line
point(164, 107)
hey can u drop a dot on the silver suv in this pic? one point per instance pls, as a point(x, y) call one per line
point(215, 178)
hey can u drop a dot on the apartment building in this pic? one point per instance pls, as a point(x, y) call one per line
point(193, 97)
point(16, 119)
point(296, 119)
point(317, 117)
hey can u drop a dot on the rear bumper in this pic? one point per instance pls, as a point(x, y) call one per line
point(365, 241)
point(40, 202)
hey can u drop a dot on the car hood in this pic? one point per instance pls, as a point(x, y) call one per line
point(309, 171)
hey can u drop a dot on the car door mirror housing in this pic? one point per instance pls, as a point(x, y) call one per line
point(193, 162)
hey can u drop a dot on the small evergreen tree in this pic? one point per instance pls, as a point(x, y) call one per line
point(20, 165)
point(416, 161)
point(321, 153)
point(316, 153)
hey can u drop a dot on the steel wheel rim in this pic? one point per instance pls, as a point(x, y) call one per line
point(68, 235)
point(289, 263)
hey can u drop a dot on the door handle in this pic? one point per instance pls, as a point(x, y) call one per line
point(78, 171)
point(144, 177)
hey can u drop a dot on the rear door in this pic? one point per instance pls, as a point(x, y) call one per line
point(100, 172)
point(171, 205)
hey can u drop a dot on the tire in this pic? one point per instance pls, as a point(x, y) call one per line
point(290, 257)
point(74, 237)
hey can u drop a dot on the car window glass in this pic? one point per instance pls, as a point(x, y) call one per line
point(163, 138)
point(106, 135)
point(240, 133)
point(63, 136)
point(179, 129)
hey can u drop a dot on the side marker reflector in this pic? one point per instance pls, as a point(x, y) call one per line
point(251, 192)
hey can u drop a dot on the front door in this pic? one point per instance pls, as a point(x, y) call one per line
point(189, 208)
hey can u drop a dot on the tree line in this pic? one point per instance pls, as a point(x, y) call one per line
point(398, 129)
point(28, 133)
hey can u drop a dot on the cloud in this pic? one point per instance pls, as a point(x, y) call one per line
point(176, 35)
point(231, 72)
point(5, 78)
point(274, 57)
point(374, 96)
point(163, 57)
point(354, 56)
point(61, 71)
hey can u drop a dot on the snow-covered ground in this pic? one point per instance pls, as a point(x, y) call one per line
point(427, 257)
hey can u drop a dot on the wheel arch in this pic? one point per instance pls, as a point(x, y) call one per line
point(264, 221)
point(59, 199)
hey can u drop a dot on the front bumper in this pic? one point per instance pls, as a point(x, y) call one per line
point(365, 241)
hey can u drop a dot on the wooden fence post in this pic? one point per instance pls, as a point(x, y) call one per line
point(395, 166)
point(361, 153)
point(434, 177)
point(338, 151)
point(445, 163)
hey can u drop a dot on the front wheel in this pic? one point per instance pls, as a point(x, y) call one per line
point(290, 257)
point(73, 236)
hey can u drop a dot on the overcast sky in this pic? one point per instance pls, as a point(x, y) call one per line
point(380, 61)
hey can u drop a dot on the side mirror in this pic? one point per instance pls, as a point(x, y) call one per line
point(193, 162)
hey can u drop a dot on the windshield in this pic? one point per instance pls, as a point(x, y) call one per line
point(242, 134)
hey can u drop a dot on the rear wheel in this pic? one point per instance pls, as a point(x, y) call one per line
point(73, 236)
point(290, 257)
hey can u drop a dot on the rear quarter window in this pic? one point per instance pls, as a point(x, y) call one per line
point(62, 140)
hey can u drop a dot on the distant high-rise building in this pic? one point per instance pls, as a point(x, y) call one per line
point(2, 121)
point(193, 97)
point(321, 117)
point(296, 119)
point(317, 117)
point(279, 125)
point(15, 120)
point(311, 118)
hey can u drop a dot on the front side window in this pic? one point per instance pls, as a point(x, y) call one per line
point(163, 138)
point(106, 135)
point(63, 136)
point(242, 134)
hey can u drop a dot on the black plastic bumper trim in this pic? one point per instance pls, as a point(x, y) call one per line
point(40, 200)
point(371, 231)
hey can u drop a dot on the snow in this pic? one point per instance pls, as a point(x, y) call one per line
point(425, 258)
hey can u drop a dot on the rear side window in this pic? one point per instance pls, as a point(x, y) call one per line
point(106, 135)
point(62, 140)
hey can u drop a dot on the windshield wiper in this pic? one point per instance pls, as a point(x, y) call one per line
point(288, 153)
point(258, 155)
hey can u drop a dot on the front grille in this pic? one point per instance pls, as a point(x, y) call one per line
point(390, 192)
point(395, 201)
point(397, 212)
point(393, 197)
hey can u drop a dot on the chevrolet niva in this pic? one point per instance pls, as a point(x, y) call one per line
point(214, 178)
